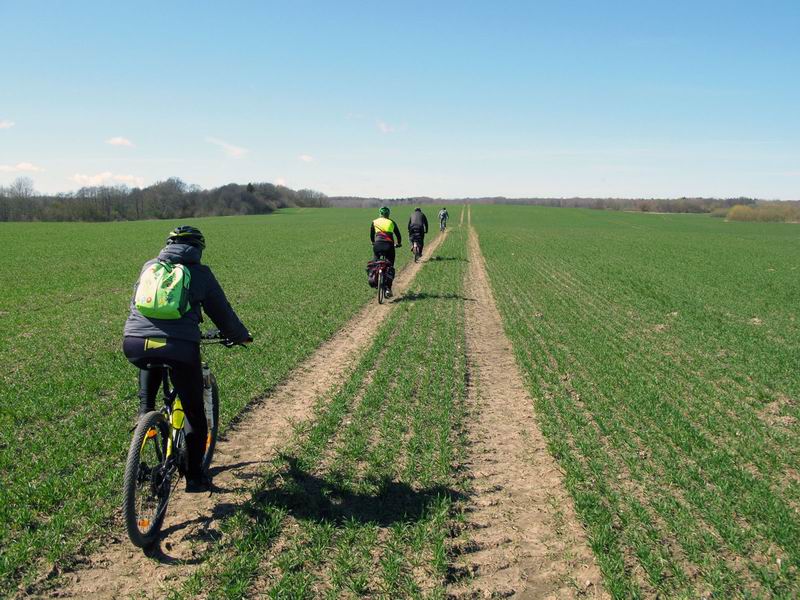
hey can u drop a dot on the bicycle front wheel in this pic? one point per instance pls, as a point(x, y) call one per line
point(148, 480)
point(212, 422)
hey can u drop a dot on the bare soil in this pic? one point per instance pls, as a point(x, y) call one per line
point(525, 540)
point(193, 521)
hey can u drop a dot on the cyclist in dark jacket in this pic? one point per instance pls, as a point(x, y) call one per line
point(382, 234)
point(417, 228)
point(176, 343)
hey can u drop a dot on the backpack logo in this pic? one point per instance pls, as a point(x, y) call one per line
point(163, 291)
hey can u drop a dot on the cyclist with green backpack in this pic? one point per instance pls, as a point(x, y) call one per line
point(163, 328)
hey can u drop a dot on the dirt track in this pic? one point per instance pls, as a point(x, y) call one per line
point(192, 525)
point(524, 538)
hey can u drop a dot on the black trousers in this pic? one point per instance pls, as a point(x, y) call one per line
point(187, 377)
point(384, 248)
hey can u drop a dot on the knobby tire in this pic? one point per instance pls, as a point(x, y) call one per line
point(143, 529)
point(211, 444)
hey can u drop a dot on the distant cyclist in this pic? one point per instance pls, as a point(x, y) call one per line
point(382, 234)
point(176, 341)
point(417, 228)
point(443, 215)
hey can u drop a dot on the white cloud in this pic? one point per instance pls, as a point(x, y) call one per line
point(120, 141)
point(387, 128)
point(306, 158)
point(6, 124)
point(20, 168)
point(384, 127)
point(131, 180)
point(106, 178)
point(230, 149)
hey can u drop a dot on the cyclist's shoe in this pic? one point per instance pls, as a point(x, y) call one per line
point(388, 292)
point(199, 485)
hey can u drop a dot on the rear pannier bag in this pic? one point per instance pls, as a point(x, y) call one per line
point(163, 291)
point(372, 273)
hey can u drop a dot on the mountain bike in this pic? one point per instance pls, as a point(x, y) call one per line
point(442, 224)
point(382, 266)
point(157, 458)
point(415, 250)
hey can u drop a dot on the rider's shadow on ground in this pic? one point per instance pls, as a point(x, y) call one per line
point(416, 296)
point(309, 497)
point(438, 258)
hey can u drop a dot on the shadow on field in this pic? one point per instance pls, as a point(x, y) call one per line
point(309, 497)
point(438, 258)
point(413, 297)
point(216, 470)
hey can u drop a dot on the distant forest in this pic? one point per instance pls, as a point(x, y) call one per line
point(676, 205)
point(734, 209)
point(174, 198)
point(170, 199)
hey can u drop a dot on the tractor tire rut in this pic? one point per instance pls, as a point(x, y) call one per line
point(524, 538)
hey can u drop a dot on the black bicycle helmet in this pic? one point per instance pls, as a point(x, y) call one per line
point(186, 234)
point(384, 211)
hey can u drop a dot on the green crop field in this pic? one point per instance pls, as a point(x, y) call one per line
point(67, 394)
point(662, 353)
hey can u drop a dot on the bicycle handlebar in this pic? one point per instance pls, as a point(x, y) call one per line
point(212, 336)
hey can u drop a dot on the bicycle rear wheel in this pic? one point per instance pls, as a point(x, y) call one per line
point(148, 480)
point(381, 290)
point(212, 421)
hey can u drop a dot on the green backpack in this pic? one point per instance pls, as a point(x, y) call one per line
point(163, 291)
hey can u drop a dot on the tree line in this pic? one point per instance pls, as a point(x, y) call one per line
point(665, 205)
point(734, 209)
point(174, 198)
point(168, 199)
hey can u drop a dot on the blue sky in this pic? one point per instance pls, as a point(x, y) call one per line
point(406, 98)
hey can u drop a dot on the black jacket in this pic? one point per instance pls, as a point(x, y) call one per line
point(204, 292)
point(418, 222)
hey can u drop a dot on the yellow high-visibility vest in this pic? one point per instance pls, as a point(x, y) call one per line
point(384, 229)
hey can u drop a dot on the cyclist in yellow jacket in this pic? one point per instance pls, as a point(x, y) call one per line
point(382, 233)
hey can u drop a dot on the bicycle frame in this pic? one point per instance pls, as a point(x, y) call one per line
point(173, 414)
point(382, 267)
